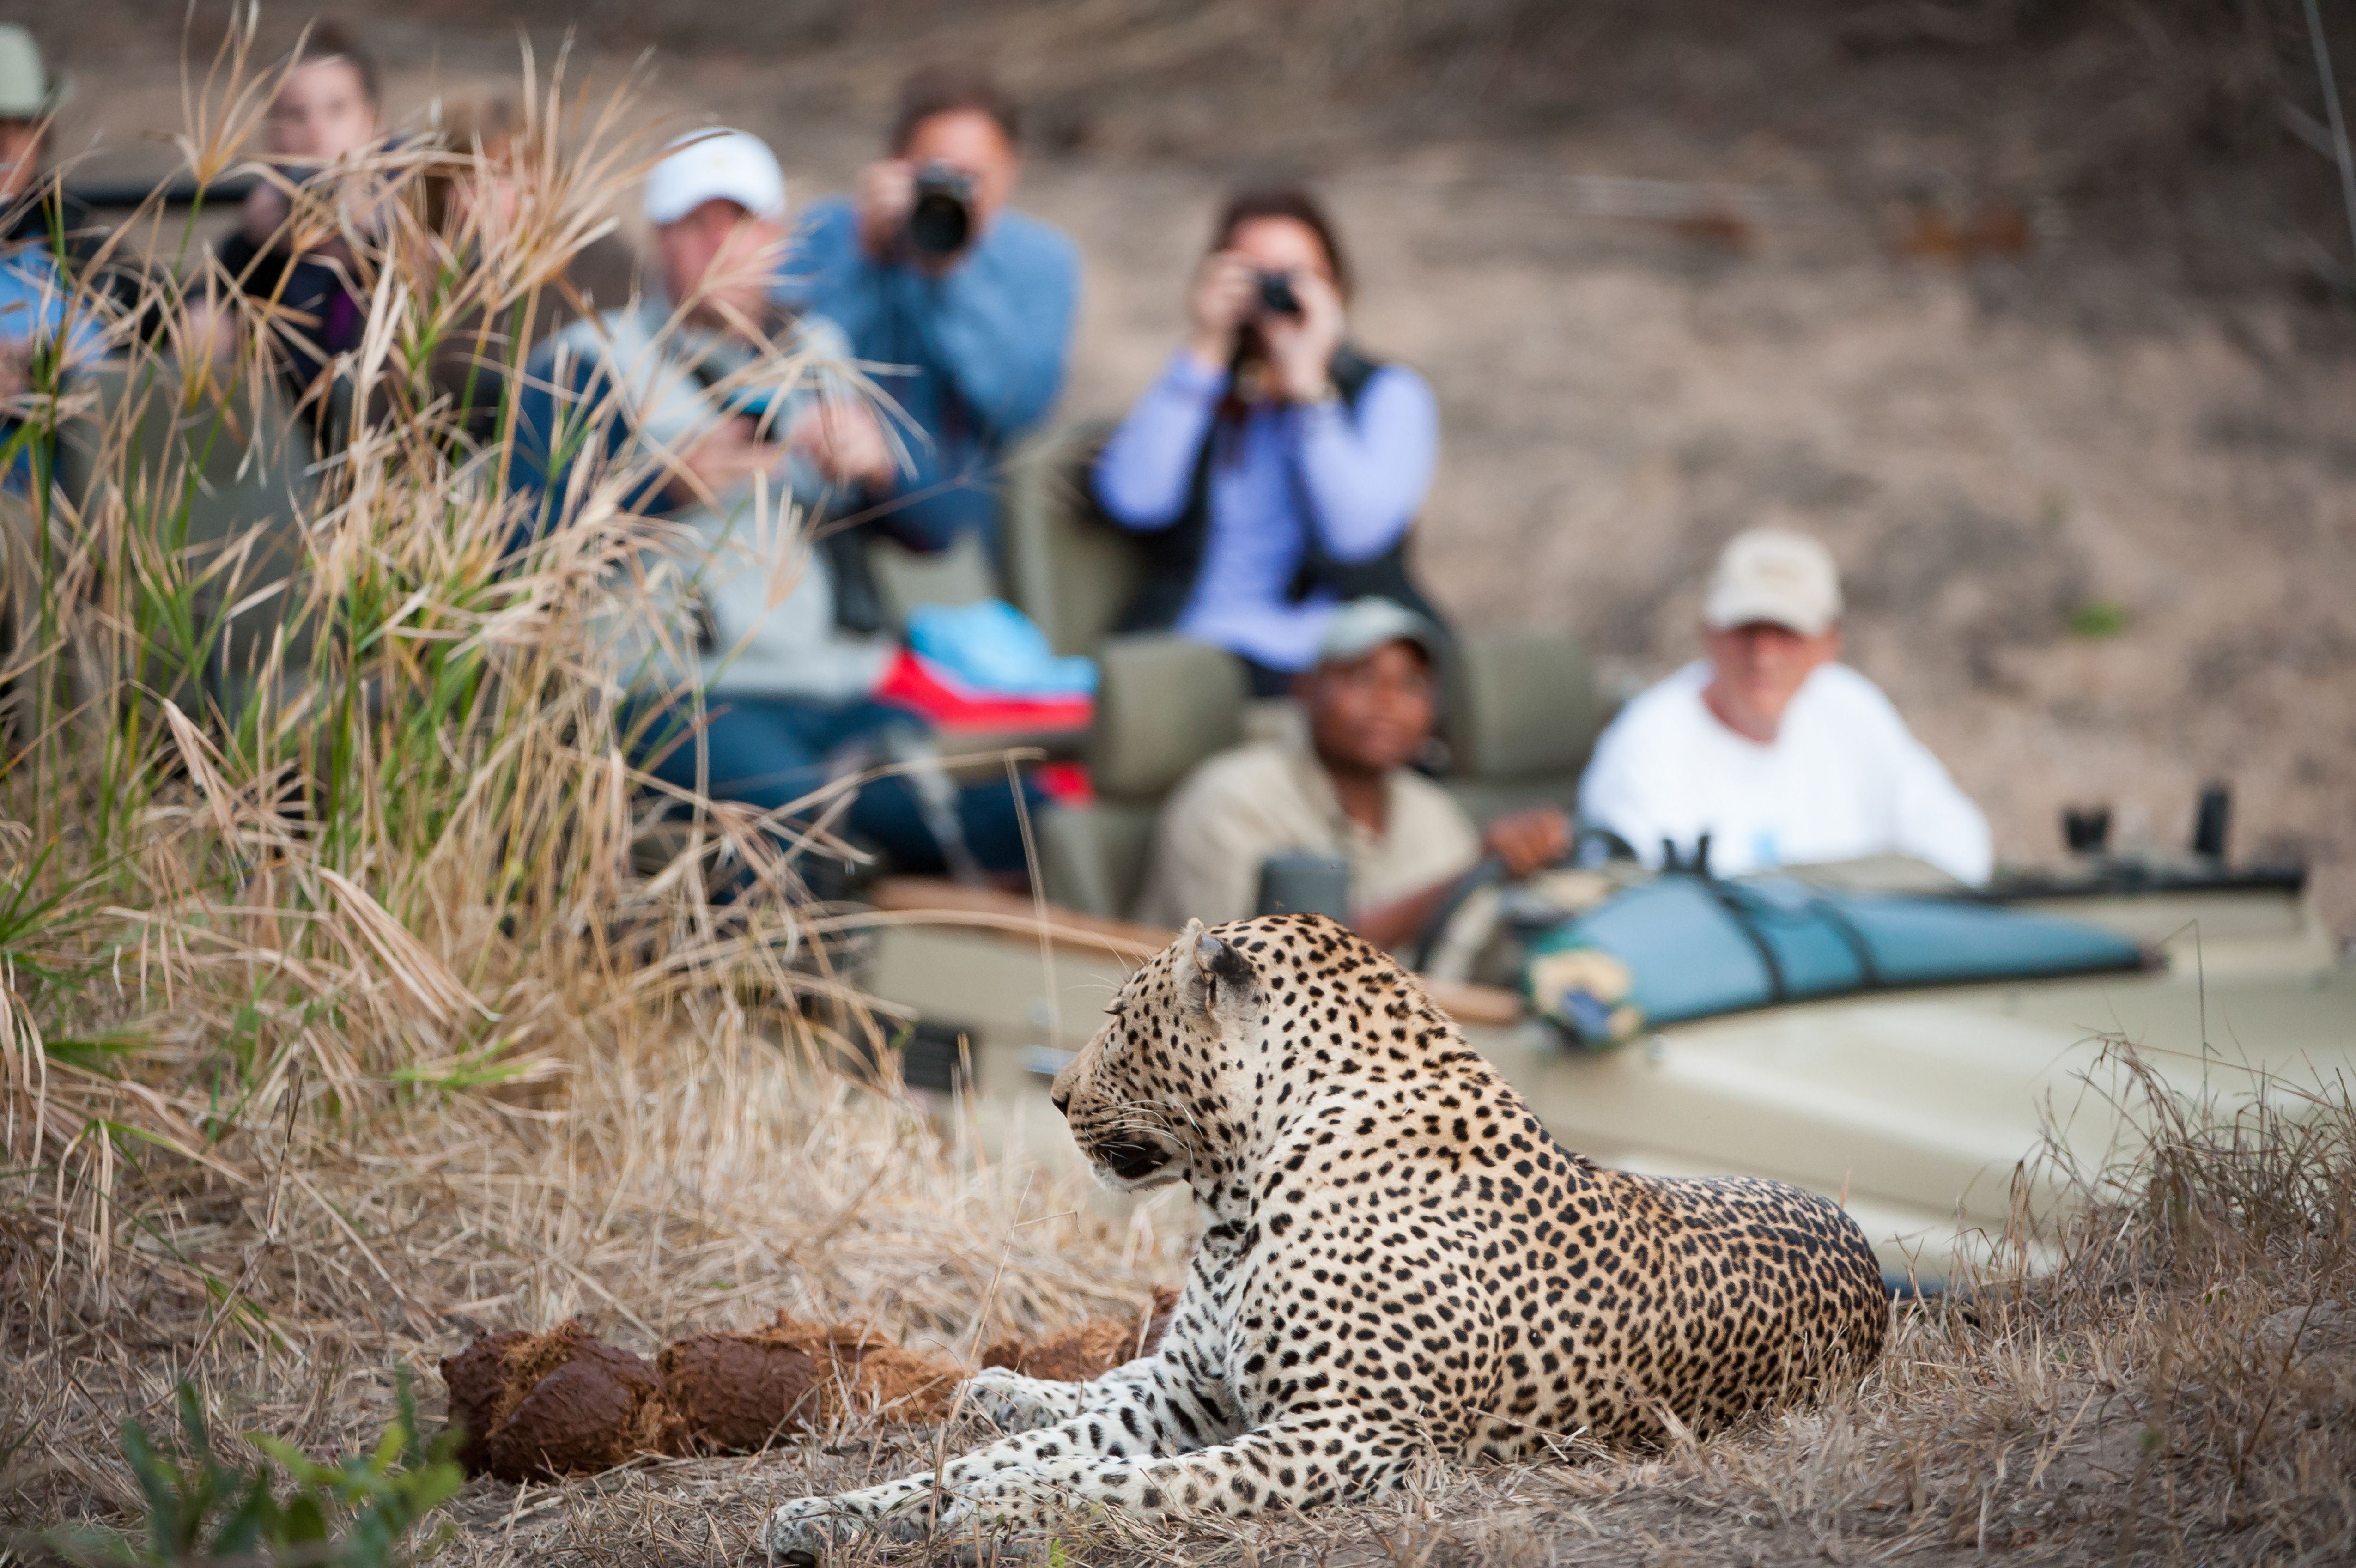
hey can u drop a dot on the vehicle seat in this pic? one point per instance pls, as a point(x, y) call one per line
point(1164, 705)
point(240, 460)
point(905, 578)
point(1066, 568)
point(1521, 715)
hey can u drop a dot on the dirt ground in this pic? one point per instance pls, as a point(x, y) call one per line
point(2043, 341)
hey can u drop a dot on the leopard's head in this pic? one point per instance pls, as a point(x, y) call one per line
point(1162, 1092)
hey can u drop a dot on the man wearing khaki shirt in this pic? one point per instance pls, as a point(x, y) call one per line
point(1370, 704)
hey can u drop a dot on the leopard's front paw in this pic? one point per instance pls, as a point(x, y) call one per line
point(802, 1532)
point(1016, 1403)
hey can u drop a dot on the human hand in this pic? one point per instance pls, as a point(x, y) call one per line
point(1220, 299)
point(725, 458)
point(844, 441)
point(1529, 842)
point(887, 193)
point(262, 212)
point(1300, 347)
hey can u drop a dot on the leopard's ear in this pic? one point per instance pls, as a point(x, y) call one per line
point(1215, 977)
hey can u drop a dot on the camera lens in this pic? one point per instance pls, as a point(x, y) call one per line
point(942, 220)
point(1276, 295)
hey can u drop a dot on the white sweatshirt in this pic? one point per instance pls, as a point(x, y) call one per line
point(1842, 779)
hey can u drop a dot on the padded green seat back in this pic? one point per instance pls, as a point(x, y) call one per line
point(1522, 716)
point(1066, 568)
point(1164, 705)
point(218, 474)
point(905, 578)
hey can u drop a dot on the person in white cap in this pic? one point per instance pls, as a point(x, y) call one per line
point(686, 402)
point(1769, 751)
point(1370, 699)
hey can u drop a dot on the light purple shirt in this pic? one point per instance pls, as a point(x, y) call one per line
point(1357, 477)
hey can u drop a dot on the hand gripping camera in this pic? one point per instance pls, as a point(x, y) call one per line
point(940, 220)
point(1277, 296)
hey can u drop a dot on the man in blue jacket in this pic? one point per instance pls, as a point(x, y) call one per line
point(962, 307)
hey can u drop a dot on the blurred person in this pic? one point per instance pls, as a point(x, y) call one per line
point(327, 108)
point(34, 211)
point(961, 306)
point(1370, 697)
point(45, 327)
point(669, 386)
point(470, 200)
point(1273, 471)
point(1770, 749)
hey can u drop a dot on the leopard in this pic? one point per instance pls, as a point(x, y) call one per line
point(1397, 1266)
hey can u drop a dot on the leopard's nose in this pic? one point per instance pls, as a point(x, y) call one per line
point(1062, 1099)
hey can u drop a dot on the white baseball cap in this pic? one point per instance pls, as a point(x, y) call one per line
point(715, 166)
point(1774, 576)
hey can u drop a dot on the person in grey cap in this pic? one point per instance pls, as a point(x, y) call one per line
point(1371, 700)
point(29, 94)
point(1769, 749)
point(42, 243)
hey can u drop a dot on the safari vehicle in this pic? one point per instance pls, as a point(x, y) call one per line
point(1920, 1106)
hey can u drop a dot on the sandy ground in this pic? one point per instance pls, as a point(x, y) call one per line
point(1993, 449)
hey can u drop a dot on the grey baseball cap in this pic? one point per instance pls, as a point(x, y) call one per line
point(28, 90)
point(1362, 626)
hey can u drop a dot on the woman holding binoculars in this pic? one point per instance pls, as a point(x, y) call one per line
point(1272, 471)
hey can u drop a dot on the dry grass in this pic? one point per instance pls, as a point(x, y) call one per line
point(338, 1023)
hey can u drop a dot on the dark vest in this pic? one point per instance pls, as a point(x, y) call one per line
point(1173, 555)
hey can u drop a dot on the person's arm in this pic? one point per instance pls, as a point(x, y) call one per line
point(568, 409)
point(1622, 794)
point(1364, 473)
point(1526, 843)
point(1933, 819)
point(1208, 851)
point(1144, 472)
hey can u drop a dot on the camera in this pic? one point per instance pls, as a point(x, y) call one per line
point(940, 220)
point(1276, 295)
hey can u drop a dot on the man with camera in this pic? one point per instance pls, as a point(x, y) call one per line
point(967, 305)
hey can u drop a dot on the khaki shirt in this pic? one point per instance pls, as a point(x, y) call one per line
point(1274, 797)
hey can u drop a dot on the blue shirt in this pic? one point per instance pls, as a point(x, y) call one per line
point(1354, 475)
point(974, 357)
point(35, 301)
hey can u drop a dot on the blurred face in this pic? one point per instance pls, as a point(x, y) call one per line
point(20, 155)
point(722, 256)
point(322, 111)
point(1372, 714)
point(1758, 669)
point(1281, 245)
point(970, 142)
point(485, 199)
